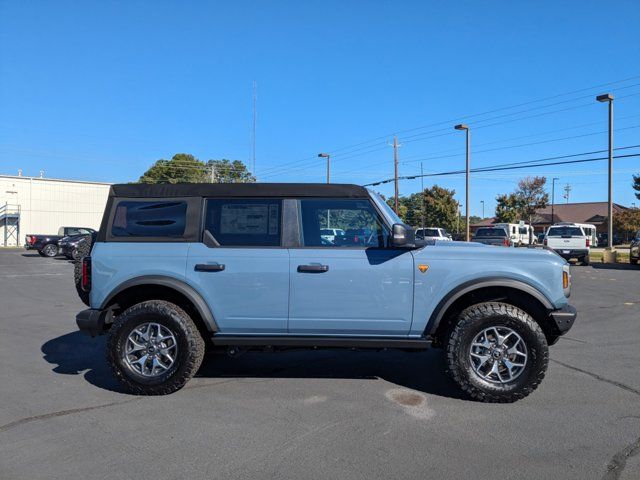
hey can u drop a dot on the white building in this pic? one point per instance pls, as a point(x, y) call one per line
point(42, 205)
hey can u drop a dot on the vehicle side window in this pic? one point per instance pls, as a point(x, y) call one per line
point(149, 219)
point(244, 222)
point(356, 223)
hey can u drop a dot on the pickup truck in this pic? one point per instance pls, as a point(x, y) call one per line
point(496, 236)
point(568, 241)
point(47, 245)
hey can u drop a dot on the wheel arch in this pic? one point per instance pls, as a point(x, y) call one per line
point(158, 287)
point(508, 290)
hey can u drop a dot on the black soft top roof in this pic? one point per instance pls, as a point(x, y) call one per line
point(141, 190)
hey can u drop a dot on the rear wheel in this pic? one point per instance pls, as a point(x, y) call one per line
point(49, 250)
point(154, 348)
point(585, 260)
point(633, 261)
point(497, 352)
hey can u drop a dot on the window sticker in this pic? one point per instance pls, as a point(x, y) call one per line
point(244, 218)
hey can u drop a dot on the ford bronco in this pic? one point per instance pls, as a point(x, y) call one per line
point(238, 266)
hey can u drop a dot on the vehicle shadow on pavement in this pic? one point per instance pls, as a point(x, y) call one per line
point(615, 266)
point(30, 254)
point(424, 371)
point(78, 354)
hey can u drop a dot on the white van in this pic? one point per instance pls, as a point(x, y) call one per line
point(589, 231)
point(519, 233)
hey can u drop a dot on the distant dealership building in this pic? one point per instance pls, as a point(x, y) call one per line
point(594, 213)
point(42, 205)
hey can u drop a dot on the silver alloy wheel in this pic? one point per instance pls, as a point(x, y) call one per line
point(50, 250)
point(498, 354)
point(151, 349)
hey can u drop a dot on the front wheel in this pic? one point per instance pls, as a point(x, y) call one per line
point(154, 348)
point(497, 352)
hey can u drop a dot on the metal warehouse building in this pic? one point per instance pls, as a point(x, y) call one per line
point(42, 205)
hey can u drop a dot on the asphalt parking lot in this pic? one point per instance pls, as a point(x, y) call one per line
point(312, 414)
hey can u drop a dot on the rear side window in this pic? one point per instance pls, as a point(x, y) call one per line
point(565, 232)
point(149, 219)
point(491, 232)
point(244, 222)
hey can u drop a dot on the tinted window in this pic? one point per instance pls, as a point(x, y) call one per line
point(565, 232)
point(244, 222)
point(149, 219)
point(491, 232)
point(356, 221)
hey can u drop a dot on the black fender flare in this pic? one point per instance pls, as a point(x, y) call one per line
point(181, 287)
point(470, 286)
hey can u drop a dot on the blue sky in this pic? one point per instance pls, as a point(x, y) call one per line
point(100, 90)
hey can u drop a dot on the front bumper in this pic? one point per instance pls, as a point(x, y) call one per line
point(563, 318)
point(93, 322)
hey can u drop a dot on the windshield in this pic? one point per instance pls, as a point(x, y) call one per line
point(491, 232)
point(386, 209)
point(565, 232)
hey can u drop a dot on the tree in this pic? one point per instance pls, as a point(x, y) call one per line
point(181, 168)
point(185, 168)
point(523, 202)
point(226, 171)
point(627, 222)
point(636, 185)
point(440, 208)
point(507, 208)
point(532, 196)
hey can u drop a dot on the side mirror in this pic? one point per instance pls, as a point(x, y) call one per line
point(402, 236)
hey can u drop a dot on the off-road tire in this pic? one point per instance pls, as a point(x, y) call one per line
point(472, 321)
point(191, 347)
point(633, 261)
point(84, 250)
point(586, 260)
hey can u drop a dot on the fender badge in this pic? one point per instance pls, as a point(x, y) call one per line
point(423, 268)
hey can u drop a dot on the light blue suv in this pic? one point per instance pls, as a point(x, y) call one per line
point(246, 266)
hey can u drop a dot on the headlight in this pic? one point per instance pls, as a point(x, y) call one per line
point(566, 280)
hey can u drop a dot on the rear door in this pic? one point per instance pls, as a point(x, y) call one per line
point(353, 285)
point(242, 270)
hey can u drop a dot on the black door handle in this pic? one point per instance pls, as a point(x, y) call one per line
point(313, 268)
point(205, 267)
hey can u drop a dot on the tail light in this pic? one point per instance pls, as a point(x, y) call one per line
point(588, 243)
point(506, 242)
point(32, 239)
point(86, 274)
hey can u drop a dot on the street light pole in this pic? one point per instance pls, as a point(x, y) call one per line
point(607, 97)
point(464, 127)
point(482, 202)
point(553, 197)
point(328, 157)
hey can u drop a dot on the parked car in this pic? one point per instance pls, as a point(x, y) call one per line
point(47, 245)
point(603, 239)
point(569, 241)
point(166, 275)
point(541, 237)
point(330, 234)
point(496, 236)
point(519, 234)
point(433, 234)
point(69, 246)
point(634, 249)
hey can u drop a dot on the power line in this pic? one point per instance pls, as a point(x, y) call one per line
point(513, 166)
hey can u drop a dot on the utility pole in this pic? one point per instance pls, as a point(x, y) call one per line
point(553, 197)
point(213, 173)
point(422, 195)
point(567, 191)
point(253, 135)
point(395, 171)
point(607, 97)
point(464, 127)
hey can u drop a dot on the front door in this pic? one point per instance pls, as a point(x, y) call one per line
point(245, 278)
point(352, 284)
